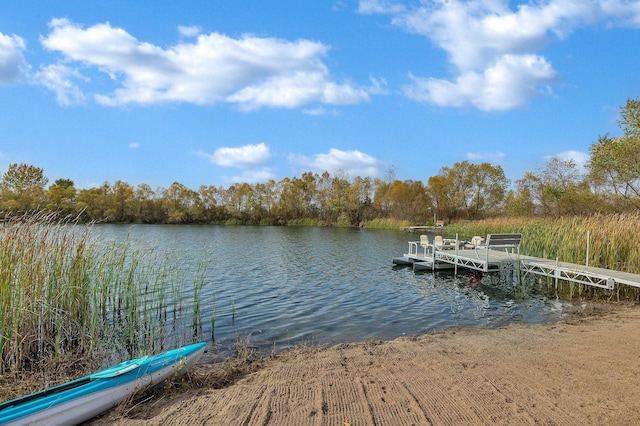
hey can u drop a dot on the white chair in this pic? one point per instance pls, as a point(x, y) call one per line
point(424, 243)
point(438, 242)
point(476, 241)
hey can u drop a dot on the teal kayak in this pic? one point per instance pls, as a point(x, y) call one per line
point(82, 399)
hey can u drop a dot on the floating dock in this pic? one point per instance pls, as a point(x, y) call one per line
point(498, 257)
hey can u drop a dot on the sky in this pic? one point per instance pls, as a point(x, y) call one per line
point(219, 92)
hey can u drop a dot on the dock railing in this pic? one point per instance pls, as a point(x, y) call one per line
point(500, 241)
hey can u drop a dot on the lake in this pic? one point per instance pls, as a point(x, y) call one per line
point(283, 286)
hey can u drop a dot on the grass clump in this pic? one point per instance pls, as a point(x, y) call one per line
point(67, 297)
point(386, 224)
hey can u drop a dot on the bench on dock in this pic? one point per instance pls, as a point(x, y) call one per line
point(501, 241)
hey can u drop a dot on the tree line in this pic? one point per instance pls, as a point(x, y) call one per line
point(464, 191)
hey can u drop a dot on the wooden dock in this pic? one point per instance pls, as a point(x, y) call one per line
point(428, 257)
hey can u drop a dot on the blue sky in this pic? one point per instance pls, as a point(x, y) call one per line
point(217, 92)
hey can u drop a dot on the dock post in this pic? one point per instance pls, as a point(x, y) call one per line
point(433, 256)
point(588, 239)
point(455, 264)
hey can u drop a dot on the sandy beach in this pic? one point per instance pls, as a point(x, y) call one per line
point(583, 370)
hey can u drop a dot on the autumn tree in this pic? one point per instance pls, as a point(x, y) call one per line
point(298, 197)
point(179, 203)
point(468, 190)
point(22, 187)
point(147, 205)
point(211, 204)
point(94, 203)
point(615, 161)
point(121, 202)
point(403, 200)
point(558, 189)
point(360, 200)
point(62, 197)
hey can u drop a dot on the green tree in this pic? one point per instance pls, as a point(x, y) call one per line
point(180, 203)
point(94, 203)
point(487, 188)
point(62, 197)
point(211, 207)
point(615, 161)
point(558, 189)
point(468, 190)
point(122, 202)
point(23, 188)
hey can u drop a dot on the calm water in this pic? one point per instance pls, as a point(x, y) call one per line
point(283, 285)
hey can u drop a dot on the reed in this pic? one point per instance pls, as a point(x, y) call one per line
point(305, 222)
point(386, 224)
point(612, 238)
point(64, 295)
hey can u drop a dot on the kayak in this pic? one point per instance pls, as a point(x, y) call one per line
point(82, 399)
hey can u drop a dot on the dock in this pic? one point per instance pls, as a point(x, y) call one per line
point(502, 255)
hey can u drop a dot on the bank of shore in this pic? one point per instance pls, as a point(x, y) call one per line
point(582, 370)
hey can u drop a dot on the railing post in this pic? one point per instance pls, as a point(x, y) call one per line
point(433, 255)
point(588, 240)
point(455, 263)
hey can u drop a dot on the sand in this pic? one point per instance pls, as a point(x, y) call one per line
point(583, 370)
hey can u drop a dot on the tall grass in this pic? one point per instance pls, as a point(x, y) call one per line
point(65, 295)
point(613, 240)
point(386, 224)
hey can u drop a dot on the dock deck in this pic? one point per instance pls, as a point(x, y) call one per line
point(490, 260)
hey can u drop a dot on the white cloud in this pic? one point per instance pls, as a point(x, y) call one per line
point(352, 162)
point(494, 49)
point(579, 158)
point(13, 66)
point(320, 111)
point(367, 7)
point(507, 84)
point(134, 145)
point(244, 157)
point(250, 71)
point(252, 176)
point(491, 157)
point(59, 79)
point(191, 31)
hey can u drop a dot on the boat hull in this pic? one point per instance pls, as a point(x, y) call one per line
point(90, 396)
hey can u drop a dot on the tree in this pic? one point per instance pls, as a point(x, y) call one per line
point(558, 189)
point(147, 206)
point(438, 188)
point(487, 187)
point(62, 197)
point(122, 202)
point(615, 161)
point(94, 203)
point(179, 202)
point(468, 190)
point(23, 188)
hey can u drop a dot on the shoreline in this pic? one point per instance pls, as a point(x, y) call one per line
point(580, 370)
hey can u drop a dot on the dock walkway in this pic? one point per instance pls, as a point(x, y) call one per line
point(428, 257)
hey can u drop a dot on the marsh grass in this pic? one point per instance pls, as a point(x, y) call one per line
point(614, 243)
point(386, 224)
point(66, 296)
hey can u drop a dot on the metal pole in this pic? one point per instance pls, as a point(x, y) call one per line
point(588, 239)
point(433, 255)
point(455, 268)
